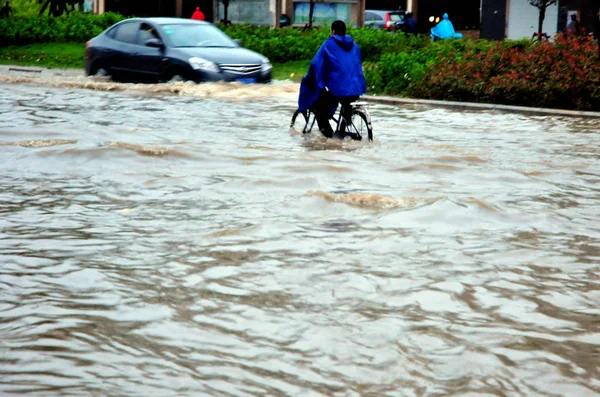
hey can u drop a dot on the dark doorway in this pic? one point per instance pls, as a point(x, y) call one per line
point(385, 5)
point(493, 19)
point(588, 13)
point(189, 6)
point(146, 8)
point(464, 16)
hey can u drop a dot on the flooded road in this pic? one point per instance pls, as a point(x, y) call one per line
point(182, 241)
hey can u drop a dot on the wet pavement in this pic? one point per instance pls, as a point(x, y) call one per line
point(181, 240)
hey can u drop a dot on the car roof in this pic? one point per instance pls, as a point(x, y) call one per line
point(167, 21)
point(386, 11)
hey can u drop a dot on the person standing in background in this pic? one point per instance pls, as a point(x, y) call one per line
point(198, 15)
point(573, 29)
point(410, 25)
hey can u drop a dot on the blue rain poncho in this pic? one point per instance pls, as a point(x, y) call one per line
point(445, 30)
point(337, 65)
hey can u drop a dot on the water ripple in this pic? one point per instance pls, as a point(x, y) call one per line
point(178, 240)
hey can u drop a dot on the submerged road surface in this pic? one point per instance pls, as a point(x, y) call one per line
point(180, 240)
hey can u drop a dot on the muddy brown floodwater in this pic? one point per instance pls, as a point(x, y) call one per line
point(180, 240)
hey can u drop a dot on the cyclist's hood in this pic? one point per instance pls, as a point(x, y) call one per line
point(346, 42)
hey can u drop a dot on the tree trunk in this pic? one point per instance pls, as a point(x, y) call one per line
point(44, 6)
point(311, 12)
point(277, 21)
point(225, 9)
point(597, 25)
point(541, 22)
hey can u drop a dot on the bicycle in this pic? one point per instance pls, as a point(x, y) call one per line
point(355, 128)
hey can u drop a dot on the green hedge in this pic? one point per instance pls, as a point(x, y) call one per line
point(279, 45)
point(75, 27)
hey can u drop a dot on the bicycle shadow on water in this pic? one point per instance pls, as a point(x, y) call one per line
point(315, 141)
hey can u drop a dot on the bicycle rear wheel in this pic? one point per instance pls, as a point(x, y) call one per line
point(303, 121)
point(359, 126)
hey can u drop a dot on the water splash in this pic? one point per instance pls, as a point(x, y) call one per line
point(142, 149)
point(38, 143)
point(373, 200)
point(232, 91)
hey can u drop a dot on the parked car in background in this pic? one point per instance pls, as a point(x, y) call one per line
point(284, 21)
point(166, 49)
point(391, 21)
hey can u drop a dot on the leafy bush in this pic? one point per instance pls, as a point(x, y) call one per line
point(396, 71)
point(25, 8)
point(46, 29)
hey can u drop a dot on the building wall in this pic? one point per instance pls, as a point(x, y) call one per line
point(257, 12)
point(260, 12)
point(522, 20)
point(351, 11)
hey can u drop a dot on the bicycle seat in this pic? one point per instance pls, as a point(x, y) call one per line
point(353, 102)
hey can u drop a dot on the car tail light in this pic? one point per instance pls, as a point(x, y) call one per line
point(87, 56)
point(388, 22)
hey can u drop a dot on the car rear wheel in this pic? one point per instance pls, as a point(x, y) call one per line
point(98, 69)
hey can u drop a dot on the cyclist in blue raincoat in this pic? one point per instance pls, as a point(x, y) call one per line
point(335, 75)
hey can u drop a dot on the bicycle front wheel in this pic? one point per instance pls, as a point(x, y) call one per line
point(360, 125)
point(303, 121)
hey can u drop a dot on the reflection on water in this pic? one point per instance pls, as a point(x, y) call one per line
point(191, 245)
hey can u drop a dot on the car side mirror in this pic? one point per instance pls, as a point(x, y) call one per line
point(155, 43)
point(238, 42)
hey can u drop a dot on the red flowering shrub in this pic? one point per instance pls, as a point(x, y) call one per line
point(561, 74)
point(394, 71)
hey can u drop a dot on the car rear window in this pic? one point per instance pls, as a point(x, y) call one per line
point(371, 16)
point(397, 17)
